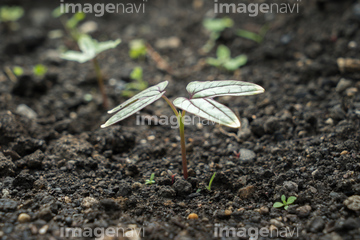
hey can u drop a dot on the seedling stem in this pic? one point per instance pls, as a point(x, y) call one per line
point(100, 82)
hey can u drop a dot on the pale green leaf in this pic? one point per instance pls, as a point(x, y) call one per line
point(286, 207)
point(235, 63)
point(210, 89)
point(291, 200)
point(76, 56)
point(213, 61)
point(283, 199)
point(278, 205)
point(217, 24)
point(223, 52)
point(209, 109)
point(136, 103)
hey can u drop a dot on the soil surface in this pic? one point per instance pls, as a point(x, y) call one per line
point(300, 138)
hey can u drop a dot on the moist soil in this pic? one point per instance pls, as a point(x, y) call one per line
point(300, 138)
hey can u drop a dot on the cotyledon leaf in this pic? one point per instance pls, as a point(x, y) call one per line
point(210, 89)
point(136, 103)
point(209, 109)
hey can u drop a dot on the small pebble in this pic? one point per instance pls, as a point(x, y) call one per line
point(264, 210)
point(24, 217)
point(43, 229)
point(227, 212)
point(193, 216)
point(353, 203)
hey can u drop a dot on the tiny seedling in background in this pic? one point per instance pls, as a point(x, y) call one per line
point(151, 180)
point(137, 85)
point(9, 16)
point(200, 103)
point(40, 70)
point(225, 61)
point(215, 26)
point(257, 37)
point(285, 203)
point(137, 49)
point(70, 25)
point(90, 48)
point(18, 71)
point(211, 181)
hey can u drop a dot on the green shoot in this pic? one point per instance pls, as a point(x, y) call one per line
point(137, 49)
point(285, 203)
point(138, 85)
point(18, 71)
point(200, 103)
point(90, 48)
point(211, 181)
point(70, 25)
point(151, 180)
point(215, 27)
point(40, 70)
point(11, 14)
point(225, 61)
point(256, 37)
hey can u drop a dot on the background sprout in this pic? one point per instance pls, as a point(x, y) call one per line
point(225, 61)
point(137, 49)
point(285, 203)
point(18, 71)
point(70, 25)
point(151, 180)
point(200, 103)
point(90, 48)
point(9, 16)
point(40, 70)
point(215, 26)
point(257, 37)
point(137, 85)
point(211, 181)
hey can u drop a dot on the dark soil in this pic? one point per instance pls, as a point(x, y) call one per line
point(300, 138)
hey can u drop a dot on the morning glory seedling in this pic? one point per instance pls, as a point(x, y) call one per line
point(285, 203)
point(215, 26)
point(225, 61)
point(151, 180)
point(199, 103)
point(137, 49)
point(90, 48)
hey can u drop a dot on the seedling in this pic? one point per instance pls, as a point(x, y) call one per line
point(284, 203)
point(151, 180)
point(211, 180)
point(257, 37)
point(18, 71)
point(70, 25)
point(9, 16)
point(200, 103)
point(137, 85)
point(40, 70)
point(90, 48)
point(215, 26)
point(137, 49)
point(224, 60)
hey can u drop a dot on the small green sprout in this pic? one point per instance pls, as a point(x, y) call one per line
point(284, 203)
point(211, 181)
point(40, 70)
point(225, 61)
point(90, 48)
point(11, 14)
point(137, 49)
point(200, 103)
point(256, 37)
point(138, 85)
point(70, 25)
point(18, 71)
point(215, 26)
point(151, 180)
